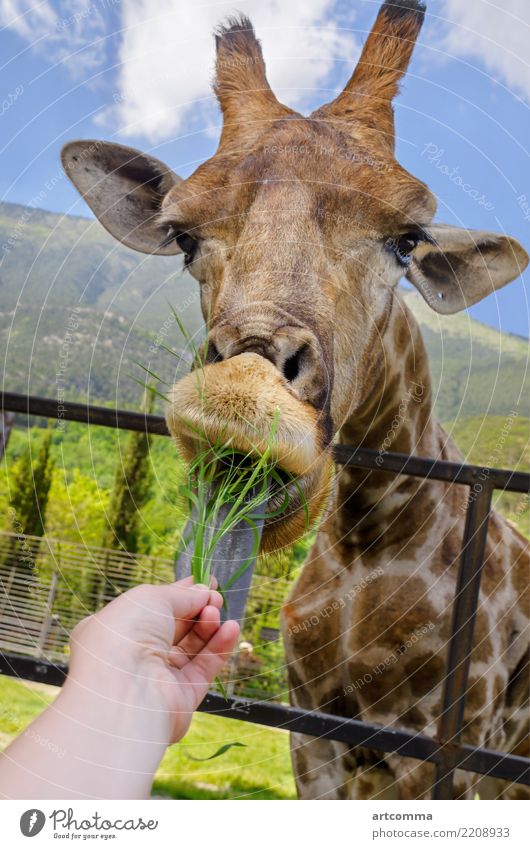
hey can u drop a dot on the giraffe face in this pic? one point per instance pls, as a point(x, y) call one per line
point(297, 231)
point(296, 248)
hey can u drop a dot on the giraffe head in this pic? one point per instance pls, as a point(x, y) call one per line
point(298, 231)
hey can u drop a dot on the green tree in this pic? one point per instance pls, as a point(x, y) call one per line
point(131, 488)
point(27, 500)
point(30, 487)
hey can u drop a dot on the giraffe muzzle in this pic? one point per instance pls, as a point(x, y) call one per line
point(241, 402)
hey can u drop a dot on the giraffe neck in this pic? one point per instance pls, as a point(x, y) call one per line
point(396, 415)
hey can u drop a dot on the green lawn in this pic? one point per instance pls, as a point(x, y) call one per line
point(261, 770)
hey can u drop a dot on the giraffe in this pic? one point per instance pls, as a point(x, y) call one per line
point(298, 230)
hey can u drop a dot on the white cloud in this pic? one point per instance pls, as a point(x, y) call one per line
point(27, 19)
point(66, 31)
point(167, 53)
point(493, 33)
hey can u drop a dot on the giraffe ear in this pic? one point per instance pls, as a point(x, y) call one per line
point(124, 188)
point(463, 266)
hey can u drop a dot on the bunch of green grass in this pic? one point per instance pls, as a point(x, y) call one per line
point(220, 476)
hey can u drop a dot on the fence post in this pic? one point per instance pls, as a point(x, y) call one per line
point(461, 642)
point(48, 614)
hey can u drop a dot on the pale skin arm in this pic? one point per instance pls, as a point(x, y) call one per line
point(138, 670)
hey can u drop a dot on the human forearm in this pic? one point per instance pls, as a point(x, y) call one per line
point(138, 670)
point(102, 747)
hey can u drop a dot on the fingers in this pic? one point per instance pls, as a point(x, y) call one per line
point(171, 610)
point(207, 624)
point(203, 630)
point(187, 601)
point(203, 668)
point(216, 599)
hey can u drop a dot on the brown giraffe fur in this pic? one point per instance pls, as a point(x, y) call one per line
point(294, 223)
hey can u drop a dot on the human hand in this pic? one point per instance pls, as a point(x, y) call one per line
point(158, 646)
point(139, 668)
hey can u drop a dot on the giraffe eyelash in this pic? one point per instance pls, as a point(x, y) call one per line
point(188, 244)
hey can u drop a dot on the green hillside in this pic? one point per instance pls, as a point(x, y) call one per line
point(83, 354)
point(476, 370)
point(501, 442)
point(53, 264)
point(57, 260)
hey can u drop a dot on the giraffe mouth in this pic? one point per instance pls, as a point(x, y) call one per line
point(246, 403)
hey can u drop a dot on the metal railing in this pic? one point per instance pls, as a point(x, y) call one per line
point(48, 585)
point(446, 751)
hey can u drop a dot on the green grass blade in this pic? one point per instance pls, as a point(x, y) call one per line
point(219, 752)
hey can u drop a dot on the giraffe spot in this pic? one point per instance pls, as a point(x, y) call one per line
point(390, 611)
point(450, 549)
point(314, 637)
point(522, 749)
point(424, 673)
point(413, 717)
point(365, 788)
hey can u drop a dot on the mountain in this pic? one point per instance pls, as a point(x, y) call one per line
point(56, 260)
point(59, 271)
point(476, 370)
point(502, 442)
point(78, 310)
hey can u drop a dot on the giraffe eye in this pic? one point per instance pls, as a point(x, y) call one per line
point(403, 247)
point(187, 244)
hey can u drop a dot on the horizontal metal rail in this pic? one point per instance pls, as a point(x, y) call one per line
point(74, 411)
point(447, 753)
point(314, 724)
point(344, 455)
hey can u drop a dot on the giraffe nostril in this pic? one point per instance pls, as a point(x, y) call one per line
point(212, 353)
point(293, 364)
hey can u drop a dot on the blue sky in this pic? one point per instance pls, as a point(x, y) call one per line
point(137, 71)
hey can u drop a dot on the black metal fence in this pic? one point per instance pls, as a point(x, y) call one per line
point(446, 751)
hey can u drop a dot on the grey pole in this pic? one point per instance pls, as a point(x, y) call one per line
point(233, 549)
